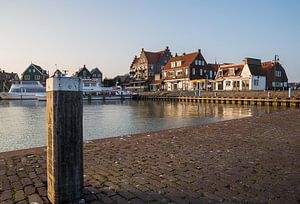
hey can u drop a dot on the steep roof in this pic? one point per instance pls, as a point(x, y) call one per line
point(95, 70)
point(256, 70)
point(153, 57)
point(37, 67)
point(186, 60)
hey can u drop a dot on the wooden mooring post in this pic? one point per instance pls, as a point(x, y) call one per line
point(64, 139)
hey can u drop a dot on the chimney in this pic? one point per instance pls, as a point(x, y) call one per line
point(167, 48)
point(199, 50)
point(84, 66)
point(142, 49)
point(183, 54)
point(176, 55)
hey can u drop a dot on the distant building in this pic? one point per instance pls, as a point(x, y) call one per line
point(123, 81)
point(144, 68)
point(83, 73)
point(276, 75)
point(248, 75)
point(109, 82)
point(35, 73)
point(188, 72)
point(96, 74)
point(6, 80)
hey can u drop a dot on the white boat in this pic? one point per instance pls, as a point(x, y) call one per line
point(93, 90)
point(24, 90)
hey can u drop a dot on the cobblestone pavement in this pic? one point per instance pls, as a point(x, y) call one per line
point(249, 160)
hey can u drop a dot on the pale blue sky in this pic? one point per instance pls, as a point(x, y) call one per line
point(107, 34)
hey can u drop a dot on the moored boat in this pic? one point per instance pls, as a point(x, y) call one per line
point(24, 90)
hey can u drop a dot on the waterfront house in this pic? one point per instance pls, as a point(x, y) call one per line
point(96, 74)
point(35, 73)
point(187, 72)
point(247, 75)
point(83, 73)
point(144, 68)
point(275, 75)
point(6, 79)
point(123, 81)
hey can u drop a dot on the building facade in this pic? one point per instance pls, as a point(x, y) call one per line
point(6, 80)
point(35, 73)
point(187, 72)
point(276, 76)
point(83, 73)
point(248, 75)
point(143, 68)
point(96, 74)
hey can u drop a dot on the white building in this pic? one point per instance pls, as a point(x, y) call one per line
point(245, 76)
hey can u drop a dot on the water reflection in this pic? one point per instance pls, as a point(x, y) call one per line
point(22, 123)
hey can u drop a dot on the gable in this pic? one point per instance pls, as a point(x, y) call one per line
point(35, 67)
point(246, 71)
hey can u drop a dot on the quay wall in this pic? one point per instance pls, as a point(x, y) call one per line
point(268, 98)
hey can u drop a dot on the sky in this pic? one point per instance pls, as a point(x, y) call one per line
point(107, 34)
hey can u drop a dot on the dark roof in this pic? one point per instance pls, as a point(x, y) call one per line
point(256, 70)
point(123, 78)
point(95, 70)
point(40, 69)
point(186, 60)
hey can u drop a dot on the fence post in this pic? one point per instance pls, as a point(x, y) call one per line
point(64, 139)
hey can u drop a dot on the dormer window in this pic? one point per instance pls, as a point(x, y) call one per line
point(173, 64)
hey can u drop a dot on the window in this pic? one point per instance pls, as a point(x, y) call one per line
point(228, 83)
point(193, 71)
point(236, 84)
point(278, 73)
point(37, 77)
point(186, 71)
point(256, 82)
point(29, 70)
point(201, 72)
point(203, 62)
point(27, 77)
point(179, 73)
point(172, 64)
point(33, 70)
point(176, 64)
point(210, 74)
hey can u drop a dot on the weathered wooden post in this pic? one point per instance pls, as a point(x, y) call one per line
point(64, 139)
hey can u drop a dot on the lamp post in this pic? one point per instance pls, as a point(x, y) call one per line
point(275, 66)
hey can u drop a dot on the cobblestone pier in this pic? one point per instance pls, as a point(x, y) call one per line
point(249, 160)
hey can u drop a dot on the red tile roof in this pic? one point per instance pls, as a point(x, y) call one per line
point(186, 60)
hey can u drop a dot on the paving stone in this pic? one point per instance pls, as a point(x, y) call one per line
point(5, 195)
point(35, 198)
point(29, 190)
point(19, 195)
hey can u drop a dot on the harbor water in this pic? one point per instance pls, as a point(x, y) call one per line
point(22, 123)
